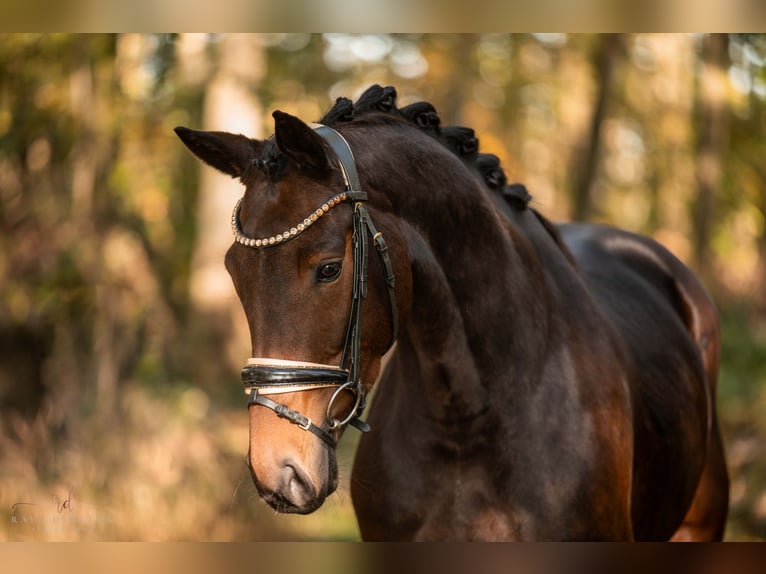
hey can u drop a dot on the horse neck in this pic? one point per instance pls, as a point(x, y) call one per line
point(480, 308)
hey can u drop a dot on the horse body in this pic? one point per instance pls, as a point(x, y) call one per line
point(644, 289)
point(538, 443)
point(547, 383)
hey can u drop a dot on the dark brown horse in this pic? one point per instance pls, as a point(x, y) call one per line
point(546, 383)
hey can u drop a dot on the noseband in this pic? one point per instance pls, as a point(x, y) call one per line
point(266, 376)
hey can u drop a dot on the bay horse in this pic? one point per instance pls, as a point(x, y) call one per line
point(541, 382)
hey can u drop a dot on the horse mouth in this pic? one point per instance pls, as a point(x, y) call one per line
point(283, 505)
point(286, 498)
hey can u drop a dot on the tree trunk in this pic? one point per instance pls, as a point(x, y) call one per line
point(711, 129)
point(584, 172)
point(229, 106)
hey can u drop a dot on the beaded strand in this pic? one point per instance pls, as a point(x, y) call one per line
point(243, 239)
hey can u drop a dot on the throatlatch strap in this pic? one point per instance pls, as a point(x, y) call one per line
point(388, 269)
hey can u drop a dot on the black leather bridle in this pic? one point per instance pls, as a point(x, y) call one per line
point(266, 376)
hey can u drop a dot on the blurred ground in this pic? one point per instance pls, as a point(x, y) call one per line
point(172, 468)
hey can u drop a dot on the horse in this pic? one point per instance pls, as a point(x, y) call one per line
point(533, 381)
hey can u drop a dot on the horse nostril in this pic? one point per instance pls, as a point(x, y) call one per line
point(296, 487)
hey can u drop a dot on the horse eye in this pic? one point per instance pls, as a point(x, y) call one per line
point(329, 271)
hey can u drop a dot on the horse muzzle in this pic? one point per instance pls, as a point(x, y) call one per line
point(293, 491)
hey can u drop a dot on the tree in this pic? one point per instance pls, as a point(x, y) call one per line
point(711, 122)
point(229, 105)
point(606, 52)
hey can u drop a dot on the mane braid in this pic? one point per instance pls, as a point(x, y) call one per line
point(377, 99)
point(423, 115)
point(342, 112)
point(489, 167)
point(516, 195)
point(461, 141)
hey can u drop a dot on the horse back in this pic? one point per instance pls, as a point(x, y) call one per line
point(669, 328)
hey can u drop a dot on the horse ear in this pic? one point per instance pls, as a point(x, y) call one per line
point(230, 153)
point(300, 143)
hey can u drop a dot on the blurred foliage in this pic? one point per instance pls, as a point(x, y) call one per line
point(118, 384)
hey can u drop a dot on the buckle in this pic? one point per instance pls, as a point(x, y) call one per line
point(303, 422)
point(380, 242)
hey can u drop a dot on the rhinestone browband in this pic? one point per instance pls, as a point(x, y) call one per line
point(243, 239)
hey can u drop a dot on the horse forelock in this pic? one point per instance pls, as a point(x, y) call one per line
point(271, 162)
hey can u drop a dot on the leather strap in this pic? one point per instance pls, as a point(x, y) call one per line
point(264, 376)
point(292, 416)
point(388, 269)
point(345, 157)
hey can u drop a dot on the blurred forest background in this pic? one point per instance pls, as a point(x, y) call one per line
point(121, 338)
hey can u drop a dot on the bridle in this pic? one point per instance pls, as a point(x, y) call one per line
point(266, 376)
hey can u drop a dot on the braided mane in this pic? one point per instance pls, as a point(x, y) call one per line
point(461, 141)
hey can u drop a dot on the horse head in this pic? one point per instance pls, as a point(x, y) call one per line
point(299, 264)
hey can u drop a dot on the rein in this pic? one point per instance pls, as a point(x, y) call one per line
point(266, 376)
